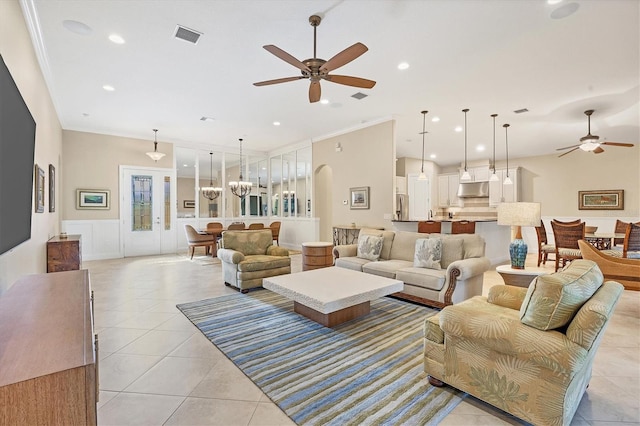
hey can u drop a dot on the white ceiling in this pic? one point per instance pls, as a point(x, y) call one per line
point(491, 56)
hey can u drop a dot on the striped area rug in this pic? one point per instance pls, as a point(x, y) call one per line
point(366, 371)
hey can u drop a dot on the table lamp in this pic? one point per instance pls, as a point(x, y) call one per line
point(518, 214)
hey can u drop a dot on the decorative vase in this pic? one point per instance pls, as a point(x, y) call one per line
point(518, 253)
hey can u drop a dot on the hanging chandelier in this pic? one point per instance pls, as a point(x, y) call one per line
point(494, 177)
point(422, 175)
point(155, 155)
point(240, 188)
point(210, 192)
point(465, 176)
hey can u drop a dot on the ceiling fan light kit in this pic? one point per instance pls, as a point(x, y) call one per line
point(155, 155)
point(589, 142)
point(316, 69)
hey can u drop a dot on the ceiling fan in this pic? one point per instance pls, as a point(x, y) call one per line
point(591, 142)
point(316, 69)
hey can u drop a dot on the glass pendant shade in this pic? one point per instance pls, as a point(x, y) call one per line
point(240, 188)
point(155, 155)
point(210, 192)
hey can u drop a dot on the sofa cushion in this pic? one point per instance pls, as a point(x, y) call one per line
point(247, 242)
point(404, 245)
point(369, 247)
point(261, 262)
point(452, 250)
point(428, 253)
point(388, 240)
point(354, 263)
point(385, 268)
point(432, 279)
point(473, 246)
point(553, 300)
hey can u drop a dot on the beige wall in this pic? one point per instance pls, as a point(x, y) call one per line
point(366, 159)
point(92, 161)
point(18, 54)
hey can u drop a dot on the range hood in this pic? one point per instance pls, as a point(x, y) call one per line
point(473, 190)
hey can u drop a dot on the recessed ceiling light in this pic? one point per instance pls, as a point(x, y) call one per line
point(276, 123)
point(185, 165)
point(553, 1)
point(435, 119)
point(108, 88)
point(458, 129)
point(480, 148)
point(565, 11)
point(77, 27)
point(324, 101)
point(116, 39)
point(403, 66)
point(432, 156)
point(85, 114)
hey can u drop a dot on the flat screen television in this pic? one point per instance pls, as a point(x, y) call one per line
point(17, 145)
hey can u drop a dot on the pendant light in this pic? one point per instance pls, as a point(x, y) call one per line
point(465, 176)
point(507, 179)
point(494, 177)
point(210, 192)
point(422, 175)
point(155, 155)
point(240, 188)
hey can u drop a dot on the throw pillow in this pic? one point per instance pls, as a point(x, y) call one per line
point(552, 300)
point(369, 247)
point(452, 250)
point(428, 253)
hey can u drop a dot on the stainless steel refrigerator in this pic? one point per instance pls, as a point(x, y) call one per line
point(402, 207)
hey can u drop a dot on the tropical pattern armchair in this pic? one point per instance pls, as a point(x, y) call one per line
point(529, 351)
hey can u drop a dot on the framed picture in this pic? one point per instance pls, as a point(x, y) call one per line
point(52, 188)
point(93, 199)
point(601, 200)
point(39, 193)
point(189, 204)
point(359, 197)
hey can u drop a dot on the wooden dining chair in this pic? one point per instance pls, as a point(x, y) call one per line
point(214, 226)
point(463, 227)
point(236, 226)
point(275, 231)
point(570, 222)
point(621, 228)
point(631, 245)
point(566, 241)
point(429, 227)
point(544, 248)
point(256, 226)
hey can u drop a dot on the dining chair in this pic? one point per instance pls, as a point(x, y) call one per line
point(429, 226)
point(544, 248)
point(621, 228)
point(275, 231)
point(256, 226)
point(631, 245)
point(570, 222)
point(463, 227)
point(566, 240)
point(214, 226)
point(195, 239)
point(236, 226)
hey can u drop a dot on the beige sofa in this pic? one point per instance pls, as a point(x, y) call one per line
point(528, 352)
point(460, 277)
point(249, 256)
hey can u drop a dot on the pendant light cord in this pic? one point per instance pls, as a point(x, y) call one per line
point(211, 169)
point(424, 117)
point(494, 142)
point(465, 137)
point(240, 159)
point(506, 143)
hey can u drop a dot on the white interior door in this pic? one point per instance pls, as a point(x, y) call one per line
point(148, 211)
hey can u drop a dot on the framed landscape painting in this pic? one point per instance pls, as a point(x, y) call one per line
point(359, 197)
point(39, 194)
point(601, 200)
point(92, 199)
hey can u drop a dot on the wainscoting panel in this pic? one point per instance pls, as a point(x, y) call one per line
point(100, 238)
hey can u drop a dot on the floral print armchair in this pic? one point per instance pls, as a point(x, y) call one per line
point(529, 351)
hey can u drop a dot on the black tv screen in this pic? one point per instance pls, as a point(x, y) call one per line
point(17, 145)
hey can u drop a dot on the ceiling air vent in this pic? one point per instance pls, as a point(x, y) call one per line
point(359, 95)
point(520, 111)
point(186, 34)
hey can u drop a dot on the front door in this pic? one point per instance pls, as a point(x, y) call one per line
point(147, 212)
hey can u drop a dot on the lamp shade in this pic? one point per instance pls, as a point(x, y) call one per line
point(519, 214)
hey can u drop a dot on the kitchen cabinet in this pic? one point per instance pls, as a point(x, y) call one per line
point(419, 197)
point(501, 193)
point(401, 185)
point(448, 190)
point(478, 174)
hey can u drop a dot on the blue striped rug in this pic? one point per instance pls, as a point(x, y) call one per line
point(366, 371)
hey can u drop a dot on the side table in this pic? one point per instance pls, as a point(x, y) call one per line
point(520, 277)
point(316, 254)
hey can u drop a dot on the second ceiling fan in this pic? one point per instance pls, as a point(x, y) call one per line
point(316, 69)
point(591, 142)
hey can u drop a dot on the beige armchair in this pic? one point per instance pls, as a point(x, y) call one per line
point(249, 256)
point(530, 351)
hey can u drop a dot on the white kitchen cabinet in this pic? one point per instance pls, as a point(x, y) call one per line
point(419, 197)
point(478, 174)
point(448, 190)
point(401, 185)
point(501, 193)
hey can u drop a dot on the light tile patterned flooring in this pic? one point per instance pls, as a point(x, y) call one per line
point(156, 368)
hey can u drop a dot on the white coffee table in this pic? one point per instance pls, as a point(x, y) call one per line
point(331, 296)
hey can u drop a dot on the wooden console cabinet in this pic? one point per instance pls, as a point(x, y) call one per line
point(48, 361)
point(64, 254)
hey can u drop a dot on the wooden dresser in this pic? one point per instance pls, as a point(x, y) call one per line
point(64, 254)
point(48, 356)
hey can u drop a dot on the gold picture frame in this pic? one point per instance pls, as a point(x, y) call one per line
point(601, 200)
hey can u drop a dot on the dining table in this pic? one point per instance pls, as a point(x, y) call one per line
point(602, 240)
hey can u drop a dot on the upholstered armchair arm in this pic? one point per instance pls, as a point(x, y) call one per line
point(277, 251)
point(507, 296)
point(230, 256)
point(346, 250)
point(499, 330)
point(468, 268)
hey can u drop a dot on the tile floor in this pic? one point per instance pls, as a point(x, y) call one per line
point(156, 368)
